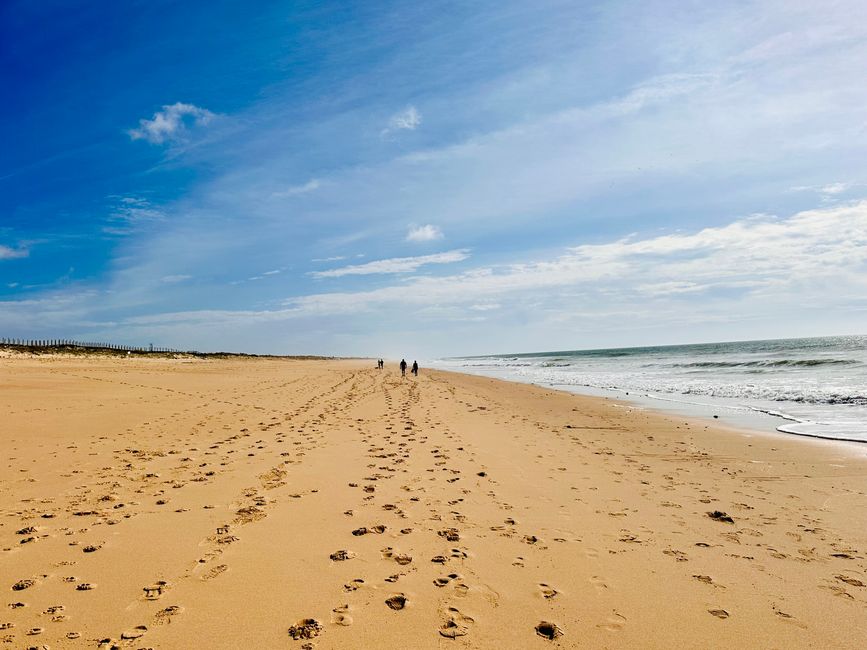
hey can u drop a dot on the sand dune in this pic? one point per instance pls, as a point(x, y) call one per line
point(287, 504)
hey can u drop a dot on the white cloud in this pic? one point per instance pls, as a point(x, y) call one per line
point(295, 190)
point(8, 253)
point(395, 264)
point(170, 123)
point(758, 266)
point(835, 188)
point(428, 232)
point(828, 190)
point(408, 119)
point(336, 258)
point(809, 269)
point(809, 258)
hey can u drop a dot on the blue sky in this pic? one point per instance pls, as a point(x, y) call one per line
point(428, 179)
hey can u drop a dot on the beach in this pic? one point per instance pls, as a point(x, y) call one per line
point(277, 503)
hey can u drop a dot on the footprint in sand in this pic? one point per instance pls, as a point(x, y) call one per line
point(451, 534)
point(341, 555)
point(401, 558)
point(549, 630)
point(307, 628)
point(613, 623)
point(456, 625)
point(213, 572)
point(135, 633)
point(353, 585)
point(165, 615)
point(396, 602)
point(444, 580)
point(340, 615)
point(377, 530)
point(718, 515)
point(547, 591)
point(850, 581)
point(155, 591)
point(719, 613)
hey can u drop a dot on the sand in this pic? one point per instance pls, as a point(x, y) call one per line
point(153, 503)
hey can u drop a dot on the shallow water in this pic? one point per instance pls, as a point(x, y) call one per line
point(812, 387)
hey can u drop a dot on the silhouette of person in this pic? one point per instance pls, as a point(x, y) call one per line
point(415, 368)
point(403, 367)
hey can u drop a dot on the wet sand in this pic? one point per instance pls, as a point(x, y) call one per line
point(152, 503)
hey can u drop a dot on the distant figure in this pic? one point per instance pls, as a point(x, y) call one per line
point(403, 367)
point(415, 368)
point(381, 364)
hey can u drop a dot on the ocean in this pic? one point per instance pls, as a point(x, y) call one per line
point(810, 387)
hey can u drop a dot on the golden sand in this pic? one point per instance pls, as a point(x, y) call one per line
point(283, 504)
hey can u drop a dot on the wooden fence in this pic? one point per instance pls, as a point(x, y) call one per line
point(89, 345)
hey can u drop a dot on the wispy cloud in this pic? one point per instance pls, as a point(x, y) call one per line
point(408, 119)
point(758, 267)
point(828, 190)
point(174, 279)
point(170, 123)
point(779, 261)
point(395, 264)
point(428, 232)
point(8, 253)
point(295, 190)
point(835, 188)
point(546, 139)
point(131, 213)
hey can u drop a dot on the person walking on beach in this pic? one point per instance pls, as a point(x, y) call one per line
point(415, 368)
point(403, 367)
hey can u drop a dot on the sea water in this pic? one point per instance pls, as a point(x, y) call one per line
point(811, 387)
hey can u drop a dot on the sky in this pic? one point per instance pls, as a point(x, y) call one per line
point(432, 179)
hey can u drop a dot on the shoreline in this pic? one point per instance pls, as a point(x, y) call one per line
point(445, 510)
point(856, 449)
point(720, 411)
point(704, 413)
